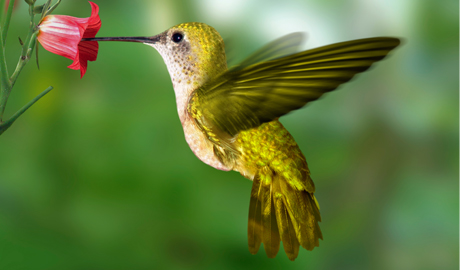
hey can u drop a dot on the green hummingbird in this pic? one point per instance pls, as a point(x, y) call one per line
point(230, 118)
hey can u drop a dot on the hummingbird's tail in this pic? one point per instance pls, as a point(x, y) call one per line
point(283, 206)
point(279, 211)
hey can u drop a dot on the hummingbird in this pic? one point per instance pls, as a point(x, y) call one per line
point(230, 118)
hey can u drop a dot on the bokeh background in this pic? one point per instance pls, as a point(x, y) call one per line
point(97, 174)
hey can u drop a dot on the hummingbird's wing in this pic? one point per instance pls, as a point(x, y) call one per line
point(247, 96)
point(283, 46)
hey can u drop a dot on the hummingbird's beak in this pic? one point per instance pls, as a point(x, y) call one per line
point(149, 40)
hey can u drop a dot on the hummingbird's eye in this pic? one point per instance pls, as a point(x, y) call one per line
point(177, 37)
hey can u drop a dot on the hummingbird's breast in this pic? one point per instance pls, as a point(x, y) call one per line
point(200, 145)
point(196, 139)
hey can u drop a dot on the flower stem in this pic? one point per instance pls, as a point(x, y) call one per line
point(8, 82)
point(7, 19)
point(2, 4)
point(27, 48)
point(25, 55)
point(5, 83)
point(4, 79)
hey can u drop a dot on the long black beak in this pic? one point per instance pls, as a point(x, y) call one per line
point(150, 40)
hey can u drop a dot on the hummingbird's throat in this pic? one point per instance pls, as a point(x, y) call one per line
point(184, 75)
point(182, 67)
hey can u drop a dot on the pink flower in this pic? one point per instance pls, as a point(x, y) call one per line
point(62, 35)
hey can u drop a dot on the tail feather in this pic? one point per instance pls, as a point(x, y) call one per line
point(304, 217)
point(286, 228)
point(262, 226)
point(279, 211)
point(270, 235)
point(255, 218)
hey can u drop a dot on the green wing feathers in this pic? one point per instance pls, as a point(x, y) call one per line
point(280, 47)
point(246, 97)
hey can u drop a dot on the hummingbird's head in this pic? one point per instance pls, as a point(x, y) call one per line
point(193, 53)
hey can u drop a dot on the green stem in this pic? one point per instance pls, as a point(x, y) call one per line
point(5, 125)
point(6, 23)
point(2, 9)
point(28, 47)
point(4, 80)
point(25, 55)
point(7, 82)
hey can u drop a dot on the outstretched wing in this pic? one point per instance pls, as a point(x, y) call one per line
point(283, 46)
point(251, 94)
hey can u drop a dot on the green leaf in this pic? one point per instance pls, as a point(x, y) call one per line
point(5, 125)
point(45, 8)
point(51, 9)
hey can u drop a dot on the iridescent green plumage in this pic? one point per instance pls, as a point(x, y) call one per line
point(238, 112)
point(230, 118)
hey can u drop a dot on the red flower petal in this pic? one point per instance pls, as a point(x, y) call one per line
point(94, 22)
point(87, 51)
point(61, 35)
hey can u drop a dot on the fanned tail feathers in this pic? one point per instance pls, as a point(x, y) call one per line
point(281, 212)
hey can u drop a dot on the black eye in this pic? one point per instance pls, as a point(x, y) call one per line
point(177, 37)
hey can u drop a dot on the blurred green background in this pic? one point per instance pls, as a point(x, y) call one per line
point(97, 174)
